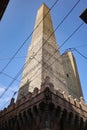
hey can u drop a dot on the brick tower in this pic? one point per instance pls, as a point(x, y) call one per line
point(44, 60)
point(50, 95)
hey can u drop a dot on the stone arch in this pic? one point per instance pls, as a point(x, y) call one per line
point(85, 125)
point(51, 106)
point(70, 117)
point(81, 123)
point(58, 112)
point(35, 110)
point(63, 119)
point(76, 121)
point(41, 106)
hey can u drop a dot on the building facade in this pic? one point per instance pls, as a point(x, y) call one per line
point(3, 5)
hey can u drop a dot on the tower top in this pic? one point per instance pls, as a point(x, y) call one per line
point(43, 24)
point(44, 6)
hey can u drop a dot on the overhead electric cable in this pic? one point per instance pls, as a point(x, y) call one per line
point(8, 58)
point(10, 76)
point(71, 35)
point(80, 53)
point(8, 100)
point(21, 57)
point(74, 49)
point(17, 75)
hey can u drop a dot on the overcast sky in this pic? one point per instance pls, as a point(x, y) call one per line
point(17, 24)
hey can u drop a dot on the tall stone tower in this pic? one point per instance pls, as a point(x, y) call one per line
point(44, 61)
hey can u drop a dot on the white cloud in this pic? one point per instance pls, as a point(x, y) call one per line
point(2, 89)
point(5, 99)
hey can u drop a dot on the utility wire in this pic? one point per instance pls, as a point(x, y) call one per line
point(7, 75)
point(28, 37)
point(49, 38)
point(9, 100)
point(8, 58)
point(80, 46)
point(74, 49)
point(21, 57)
point(80, 53)
point(17, 75)
point(71, 35)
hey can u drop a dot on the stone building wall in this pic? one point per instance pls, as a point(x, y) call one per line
point(45, 109)
point(72, 77)
point(44, 59)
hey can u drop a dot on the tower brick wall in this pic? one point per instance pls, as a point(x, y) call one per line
point(44, 59)
point(72, 77)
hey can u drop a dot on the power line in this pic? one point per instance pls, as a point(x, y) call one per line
point(80, 53)
point(28, 37)
point(9, 100)
point(9, 76)
point(80, 46)
point(8, 58)
point(74, 49)
point(71, 34)
point(21, 57)
point(17, 75)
